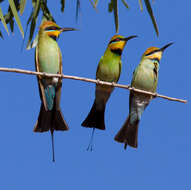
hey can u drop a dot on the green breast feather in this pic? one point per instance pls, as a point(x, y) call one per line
point(109, 69)
point(49, 56)
point(145, 77)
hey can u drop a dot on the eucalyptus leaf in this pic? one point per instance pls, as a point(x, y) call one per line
point(46, 11)
point(150, 11)
point(125, 3)
point(77, 9)
point(1, 35)
point(141, 5)
point(32, 28)
point(94, 4)
point(3, 21)
point(35, 41)
point(28, 21)
point(110, 6)
point(22, 6)
point(15, 14)
point(115, 11)
point(62, 5)
point(33, 22)
point(11, 23)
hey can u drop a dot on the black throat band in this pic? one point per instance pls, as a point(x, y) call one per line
point(117, 51)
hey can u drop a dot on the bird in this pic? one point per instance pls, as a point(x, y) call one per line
point(48, 59)
point(109, 70)
point(145, 77)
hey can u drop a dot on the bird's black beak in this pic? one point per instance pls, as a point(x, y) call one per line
point(67, 29)
point(130, 37)
point(164, 47)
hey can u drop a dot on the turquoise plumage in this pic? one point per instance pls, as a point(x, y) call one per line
point(50, 95)
point(48, 58)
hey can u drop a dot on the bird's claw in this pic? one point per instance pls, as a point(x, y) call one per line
point(98, 81)
point(113, 84)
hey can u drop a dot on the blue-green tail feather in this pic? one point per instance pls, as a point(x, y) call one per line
point(50, 95)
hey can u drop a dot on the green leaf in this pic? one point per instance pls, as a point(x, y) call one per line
point(22, 6)
point(35, 41)
point(150, 11)
point(33, 22)
point(62, 5)
point(110, 6)
point(141, 5)
point(33, 3)
point(3, 20)
point(32, 28)
point(94, 4)
point(14, 11)
point(77, 9)
point(115, 8)
point(125, 3)
point(28, 21)
point(1, 35)
point(46, 11)
point(11, 23)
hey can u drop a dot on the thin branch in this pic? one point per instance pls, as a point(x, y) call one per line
point(90, 80)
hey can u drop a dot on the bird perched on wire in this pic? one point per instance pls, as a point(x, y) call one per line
point(109, 70)
point(48, 58)
point(145, 77)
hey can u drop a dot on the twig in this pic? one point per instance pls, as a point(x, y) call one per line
point(90, 80)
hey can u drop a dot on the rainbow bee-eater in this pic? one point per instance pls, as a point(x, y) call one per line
point(145, 77)
point(48, 58)
point(109, 70)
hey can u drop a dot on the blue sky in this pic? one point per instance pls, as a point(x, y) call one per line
point(162, 160)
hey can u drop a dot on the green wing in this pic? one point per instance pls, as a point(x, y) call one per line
point(134, 75)
point(120, 65)
point(98, 68)
point(41, 88)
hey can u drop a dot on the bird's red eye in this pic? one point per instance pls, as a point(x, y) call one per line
point(115, 40)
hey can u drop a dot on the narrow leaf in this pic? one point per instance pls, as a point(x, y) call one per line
point(62, 5)
point(141, 5)
point(1, 35)
point(11, 23)
point(125, 3)
point(46, 11)
point(28, 21)
point(77, 9)
point(3, 20)
point(94, 4)
point(33, 23)
point(35, 42)
point(110, 6)
point(150, 11)
point(115, 8)
point(8, 15)
point(32, 28)
point(14, 11)
point(22, 6)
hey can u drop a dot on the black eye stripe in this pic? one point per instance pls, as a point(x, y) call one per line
point(152, 52)
point(115, 40)
point(52, 28)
